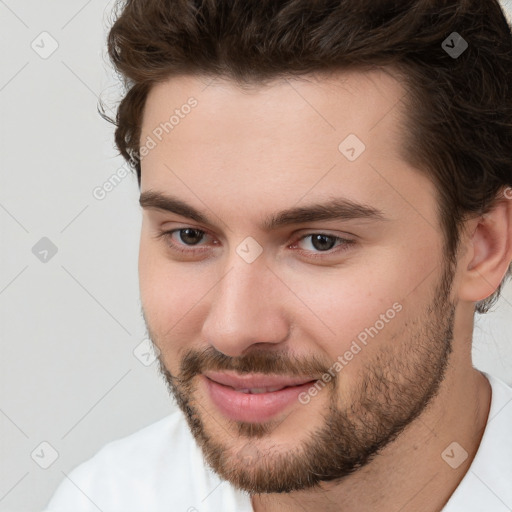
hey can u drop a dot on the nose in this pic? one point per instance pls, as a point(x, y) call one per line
point(246, 307)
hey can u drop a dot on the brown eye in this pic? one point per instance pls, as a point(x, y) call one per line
point(322, 245)
point(190, 236)
point(185, 240)
point(323, 242)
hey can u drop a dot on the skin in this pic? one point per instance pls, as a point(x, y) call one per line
point(242, 155)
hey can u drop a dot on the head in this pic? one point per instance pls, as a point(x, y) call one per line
point(326, 195)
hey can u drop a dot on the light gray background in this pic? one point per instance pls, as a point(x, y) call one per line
point(69, 326)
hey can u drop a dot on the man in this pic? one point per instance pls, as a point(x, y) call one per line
point(326, 195)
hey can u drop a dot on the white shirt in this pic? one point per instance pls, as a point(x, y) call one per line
point(160, 469)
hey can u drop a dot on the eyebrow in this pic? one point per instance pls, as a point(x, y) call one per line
point(334, 209)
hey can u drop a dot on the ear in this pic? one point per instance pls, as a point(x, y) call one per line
point(489, 251)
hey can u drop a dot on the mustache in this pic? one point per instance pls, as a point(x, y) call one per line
point(267, 362)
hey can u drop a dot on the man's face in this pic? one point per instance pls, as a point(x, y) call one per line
point(355, 308)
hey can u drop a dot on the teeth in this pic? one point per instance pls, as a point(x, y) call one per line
point(255, 391)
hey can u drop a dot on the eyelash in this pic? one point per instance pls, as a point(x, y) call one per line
point(343, 246)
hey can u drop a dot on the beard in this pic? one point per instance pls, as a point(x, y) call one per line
point(363, 415)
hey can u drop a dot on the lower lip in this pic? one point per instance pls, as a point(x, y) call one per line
point(253, 408)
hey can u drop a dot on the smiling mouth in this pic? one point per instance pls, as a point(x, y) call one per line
point(256, 383)
point(257, 391)
point(255, 398)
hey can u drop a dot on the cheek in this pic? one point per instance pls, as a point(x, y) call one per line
point(361, 319)
point(344, 307)
point(162, 289)
point(365, 304)
point(171, 295)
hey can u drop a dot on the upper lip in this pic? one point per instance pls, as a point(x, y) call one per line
point(251, 381)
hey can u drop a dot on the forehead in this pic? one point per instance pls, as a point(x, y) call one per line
point(281, 141)
point(326, 102)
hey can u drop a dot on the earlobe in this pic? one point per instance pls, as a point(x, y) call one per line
point(489, 254)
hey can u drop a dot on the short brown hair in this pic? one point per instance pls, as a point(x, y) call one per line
point(459, 108)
